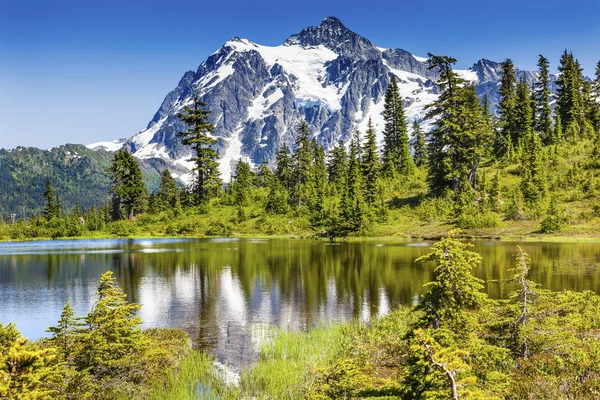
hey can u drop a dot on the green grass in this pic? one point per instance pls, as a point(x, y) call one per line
point(283, 369)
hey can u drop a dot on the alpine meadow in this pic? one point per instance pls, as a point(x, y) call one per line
point(320, 219)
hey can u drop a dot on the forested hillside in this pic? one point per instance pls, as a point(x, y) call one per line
point(77, 174)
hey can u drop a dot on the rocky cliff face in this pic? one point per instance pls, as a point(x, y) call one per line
point(326, 74)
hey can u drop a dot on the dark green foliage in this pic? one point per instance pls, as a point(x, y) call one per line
point(337, 169)
point(167, 197)
point(420, 155)
point(284, 169)
point(460, 134)
point(370, 167)
point(522, 114)
point(318, 185)
point(207, 181)
point(396, 153)
point(128, 187)
point(554, 220)
point(508, 101)
point(242, 181)
point(542, 102)
point(51, 203)
point(302, 165)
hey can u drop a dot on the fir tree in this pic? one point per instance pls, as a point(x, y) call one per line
point(542, 101)
point(337, 169)
point(396, 153)
point(454, 290)
point(353, 208)
point(207, 181)
point(318, 184)
point(264, 177)
point(63, 335)
point(128, 187)
point(595, 97)
point(113, 340)
point(51, 207)
point(284, 170)
point(460, 134)
point(508, 100)
point(532, 178)
point(370, 167)
point(242, 181)
point(420, 155)
point(522, 123)
point(167, 197)
point(302, 165)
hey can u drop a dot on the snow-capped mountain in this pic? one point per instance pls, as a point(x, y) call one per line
point(326, 74)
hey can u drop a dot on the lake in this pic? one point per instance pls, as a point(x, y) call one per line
point(228, 293)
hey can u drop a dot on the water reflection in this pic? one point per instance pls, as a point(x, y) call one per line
point(225, 293)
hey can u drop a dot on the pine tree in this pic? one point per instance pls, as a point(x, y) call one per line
point(284, 170)
point(63, 335)
point(571, 98)
point(542, 101)
point(27, 371)
point(264, 177)
point(302, 165)
point(420, 155)
point(128, 187)
point(396, 152)
point(242, 181)
point(318, 184)
point(353, 208)
point(370, 167)
point(207, 181)
point(51, 207)
point(532, 177)
point(522, 114)
point(461, 132)
point(167, 197)
point(508, 100)
point(337, 169)
point(595, 97)
point(454, 291)
point(113, 341)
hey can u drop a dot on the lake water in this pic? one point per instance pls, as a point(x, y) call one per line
point(227, 293)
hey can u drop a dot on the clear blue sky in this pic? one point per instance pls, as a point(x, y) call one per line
point(85, 71)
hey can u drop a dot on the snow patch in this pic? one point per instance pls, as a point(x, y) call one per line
point(108, 146)
point(468, 75)
point(420, 59)
point(261, 104)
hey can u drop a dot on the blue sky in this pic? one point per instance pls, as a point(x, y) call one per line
point(86, 71)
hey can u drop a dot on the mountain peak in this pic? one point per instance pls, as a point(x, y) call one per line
point(334, 35)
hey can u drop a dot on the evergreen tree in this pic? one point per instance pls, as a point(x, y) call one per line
point(128, 188)
point(542, 101)
point(242, 181)
point(454, 290)
point(532, 176)
point(522, 114)
point(63, 335)
point(420, 155)
point(167, 197)
point(370, 167)
point(460, 134)
point(396, 153)
point(353, 208)
point(284, 170)
point(318, 184)
point(595, 98)
point(264, 177)
point(337, 169)
point(571, 101)
point(113, 340)
point(51, 208)
point(26, 369)
point(302, 165)
point(207, 182)
point(508, 100)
